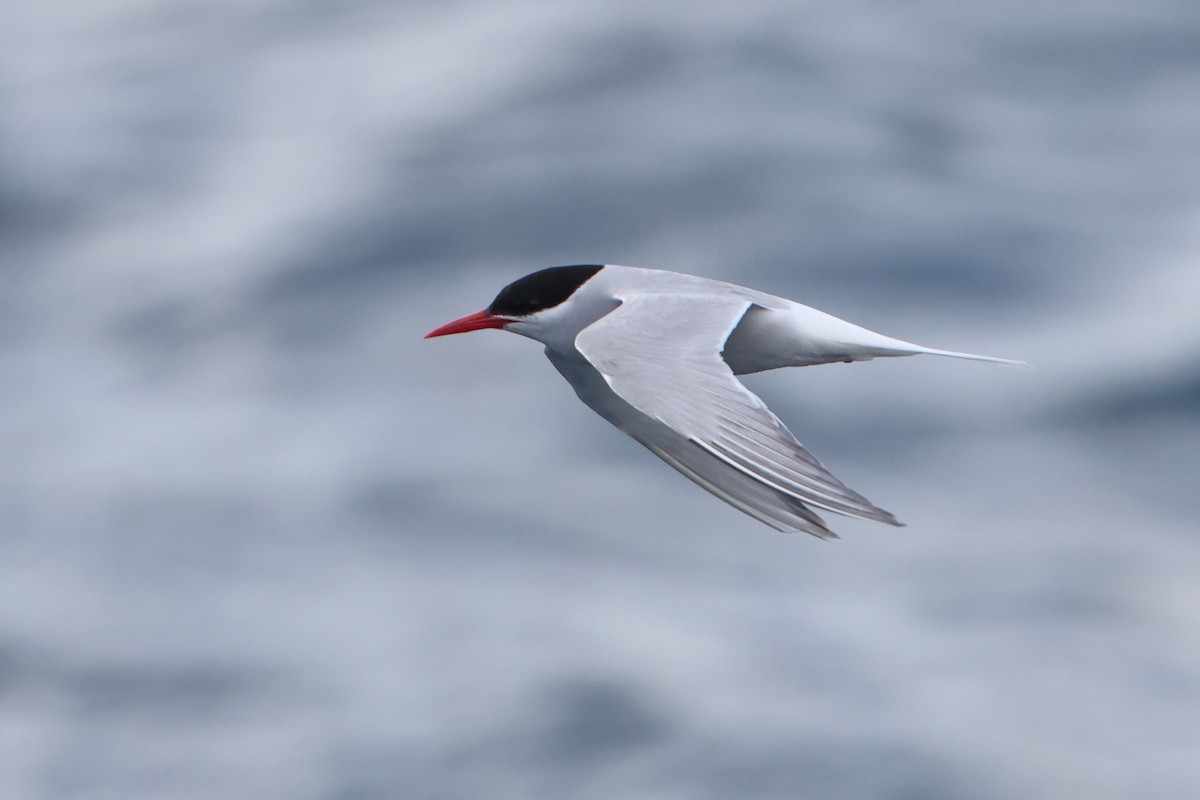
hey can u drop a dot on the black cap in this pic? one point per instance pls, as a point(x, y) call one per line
point(540, 290)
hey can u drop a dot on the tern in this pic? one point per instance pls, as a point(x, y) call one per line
point(657, 354)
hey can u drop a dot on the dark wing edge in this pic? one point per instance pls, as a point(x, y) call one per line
point(672, 371)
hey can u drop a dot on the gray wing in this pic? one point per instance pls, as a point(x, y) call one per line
point(661, 354)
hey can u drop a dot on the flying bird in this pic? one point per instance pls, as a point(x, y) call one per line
point(658, 353)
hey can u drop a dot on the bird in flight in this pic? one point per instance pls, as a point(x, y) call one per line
point(658, 353)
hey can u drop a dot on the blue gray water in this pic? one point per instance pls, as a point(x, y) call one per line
point(259, 540)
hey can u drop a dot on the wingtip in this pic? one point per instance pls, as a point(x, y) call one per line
point(824, 534)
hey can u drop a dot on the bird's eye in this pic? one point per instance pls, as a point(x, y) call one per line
point(541, 290)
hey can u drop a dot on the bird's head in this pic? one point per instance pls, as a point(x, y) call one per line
point(535, 306)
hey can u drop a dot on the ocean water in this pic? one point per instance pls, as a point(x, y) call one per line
point(259, 540)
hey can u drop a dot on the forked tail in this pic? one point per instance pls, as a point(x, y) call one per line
point(969, 356)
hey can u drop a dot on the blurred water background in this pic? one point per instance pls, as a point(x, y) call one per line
point(259, 540)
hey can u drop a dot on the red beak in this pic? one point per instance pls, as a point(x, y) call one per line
point(472, 322)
